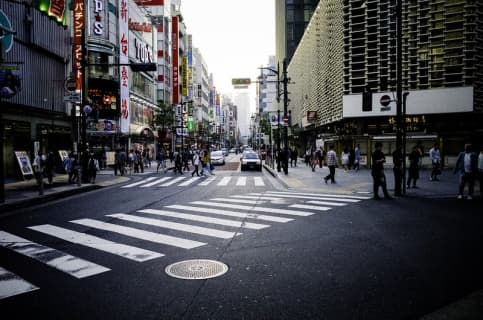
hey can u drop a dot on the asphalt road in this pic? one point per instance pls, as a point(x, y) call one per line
point(288, 257)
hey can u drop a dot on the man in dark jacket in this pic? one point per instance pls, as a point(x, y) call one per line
point(378, 160)
point(467, 167)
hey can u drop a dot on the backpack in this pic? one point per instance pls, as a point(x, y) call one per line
point(92, 164)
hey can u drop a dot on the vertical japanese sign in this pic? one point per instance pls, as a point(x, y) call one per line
point(124, 69)
point(78, 45)
point(175, 55)
point(184, 75)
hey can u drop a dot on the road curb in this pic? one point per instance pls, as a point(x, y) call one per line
point(276, 176)
point(29, 202)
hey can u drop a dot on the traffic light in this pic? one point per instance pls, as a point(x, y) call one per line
point(138, 67)
point(367, 100)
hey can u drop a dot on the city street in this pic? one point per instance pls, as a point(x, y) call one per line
point(291, 253)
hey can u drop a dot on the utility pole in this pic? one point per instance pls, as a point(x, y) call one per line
point(285, 116)
point(399, 96)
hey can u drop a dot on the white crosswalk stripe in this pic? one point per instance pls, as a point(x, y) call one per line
point(224, 181)
point(140, 234)
point(189, 181)
point(84, 239)
point(252, 208)
point(239, 181)
point(230, 213)
point(223, 222)
point(159, 181)
point(57, 259)
point(177, 226)
point(12, 285)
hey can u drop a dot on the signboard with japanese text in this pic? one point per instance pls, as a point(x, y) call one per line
point(78, 26)
point(175, 60)
point(124, 70)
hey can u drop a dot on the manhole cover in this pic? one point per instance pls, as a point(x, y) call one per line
point(196, 269)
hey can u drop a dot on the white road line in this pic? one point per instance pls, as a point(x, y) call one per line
point(125, 251)
point(177, 226)
point(189, 181)
point(57, 259)
point(237, 200)
point(11, 284)
point(258, 197)
point(252, 208)
point(231, 213)
point(241, 181)
point(320, 195)
point(312, 198)
point(139, 182)
point(161, 180)
point(167, 184)
point(140, 234)
point(224, 181)
point(327, 203)
point(223, 222)
point(304, 206)
point(207, 181)
point(259, 182)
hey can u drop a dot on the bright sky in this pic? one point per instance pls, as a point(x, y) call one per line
point(235, 37)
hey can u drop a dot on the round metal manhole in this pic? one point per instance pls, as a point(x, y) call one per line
point(196, 269)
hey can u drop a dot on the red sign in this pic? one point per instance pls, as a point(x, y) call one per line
point(77, 48)
point(175, 54)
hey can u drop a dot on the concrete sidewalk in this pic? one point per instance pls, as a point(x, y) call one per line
point(22, 194)
point(303, 178)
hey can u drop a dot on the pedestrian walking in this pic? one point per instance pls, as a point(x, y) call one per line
point(92, 168)
point(467, 167)
point(38, 166)
point(207, 166)
point(307, 156)
point(186, 159)
point(435, 158)
point(293, 159)
point(414, 158)
point(345, 159)
point(397, 160)
point(320, 157)
point(357, 157)
point(377, 172)
point(68, 165)
point(196, 163)
point(160, 158)
point(331, 163)
point(178, 162)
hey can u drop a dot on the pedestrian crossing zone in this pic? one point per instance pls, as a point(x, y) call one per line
point(184, 181)
point(190, 225)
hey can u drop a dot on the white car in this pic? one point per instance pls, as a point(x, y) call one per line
point(217, 157)
point(250, 160)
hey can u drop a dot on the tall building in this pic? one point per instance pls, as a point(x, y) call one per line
point(267, 87)
point(348, 55)
point(292, 17)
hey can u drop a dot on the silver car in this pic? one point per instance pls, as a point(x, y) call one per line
point(217, 157)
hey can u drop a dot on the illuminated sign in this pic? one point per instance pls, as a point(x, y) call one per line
point(78, 45)
point(175, 55)
point(124, 70)
point(54, 9)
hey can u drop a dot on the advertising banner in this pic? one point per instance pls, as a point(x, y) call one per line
point(124, 70)
point(175, 58)
point(24, 163)
point(78, 25)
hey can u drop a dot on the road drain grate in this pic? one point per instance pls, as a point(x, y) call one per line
point(196, 269)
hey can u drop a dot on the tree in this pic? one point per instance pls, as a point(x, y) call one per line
point(163, 119)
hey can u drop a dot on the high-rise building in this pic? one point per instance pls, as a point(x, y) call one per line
point(292, 17)
point(345, 69)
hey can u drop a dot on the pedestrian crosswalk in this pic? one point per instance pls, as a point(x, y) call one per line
point(184, 181)
point(183, 226)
